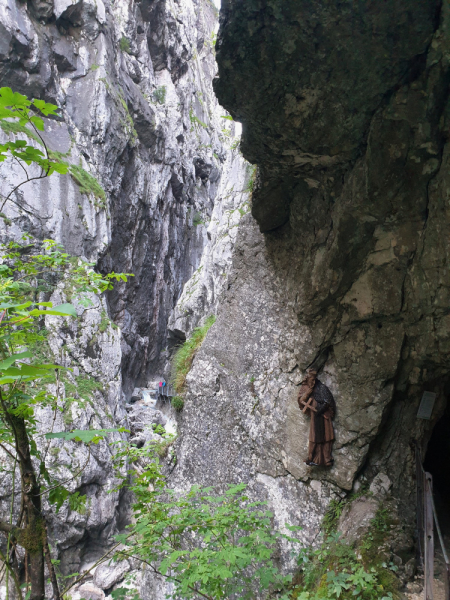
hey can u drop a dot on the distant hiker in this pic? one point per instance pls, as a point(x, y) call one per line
point(316, 399)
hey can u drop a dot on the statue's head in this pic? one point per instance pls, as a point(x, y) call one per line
point(311, 374)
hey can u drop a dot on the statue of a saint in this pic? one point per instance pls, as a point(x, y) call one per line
point(316, 399)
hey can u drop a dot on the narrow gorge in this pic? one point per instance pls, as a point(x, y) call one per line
point(316, 238)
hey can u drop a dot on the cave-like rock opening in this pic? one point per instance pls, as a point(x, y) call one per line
point(437, 462)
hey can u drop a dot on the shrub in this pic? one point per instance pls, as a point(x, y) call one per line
point(124, 44)
point(177, 403)
point(208, 544)
point(338, 570)
point(159, 95)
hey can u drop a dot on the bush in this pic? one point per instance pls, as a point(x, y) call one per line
point(208, 544)
point(159, 95)
point(177, 403)
point(338, 570)
point(124, 44)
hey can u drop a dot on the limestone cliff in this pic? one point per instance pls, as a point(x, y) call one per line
point(343, 262)
point(151, 167)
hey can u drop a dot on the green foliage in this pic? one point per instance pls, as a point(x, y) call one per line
point(251, 181)
point(124, 44)
point(195, 121)
point(159, 95)
point(209, 544)
point(161, 447)
point(128, 123)
point(83, 435)
point(184, 356)
point(338, 570)
point(28, 268)
point(332, 515)
point(198, 219)
point(18, 114)
point(105, 323)
point(177, 403)
point(25, 265)
point(15, 128)
point(235, 144)
point(87, 183)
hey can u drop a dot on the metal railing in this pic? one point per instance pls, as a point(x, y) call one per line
point(166, 391)
point(426, 520)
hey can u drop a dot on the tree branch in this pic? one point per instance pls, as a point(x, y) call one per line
point(70, 478)
point(13, 575)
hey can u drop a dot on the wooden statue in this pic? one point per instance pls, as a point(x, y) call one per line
point(316, 399)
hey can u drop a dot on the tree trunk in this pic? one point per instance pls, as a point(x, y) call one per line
point(33, 535)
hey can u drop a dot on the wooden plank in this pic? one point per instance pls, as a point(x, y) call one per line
point(429, 538)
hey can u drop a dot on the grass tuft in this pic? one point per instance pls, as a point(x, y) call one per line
point(87, 183)
point(16, 128)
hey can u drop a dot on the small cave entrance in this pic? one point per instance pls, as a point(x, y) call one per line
point(437, 462)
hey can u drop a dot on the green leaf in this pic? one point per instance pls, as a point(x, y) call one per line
point(84, 435)
point(38, 123)
point(11, 359)
point(20, 306)
point(58, 496)
point(63, 310)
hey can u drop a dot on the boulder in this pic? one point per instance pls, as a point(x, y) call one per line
point(357, 517)
point(89, 591)
point(108, 575)
point(381, 485)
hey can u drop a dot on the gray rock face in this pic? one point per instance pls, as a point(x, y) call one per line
point(306, 80)
point(134, 83)
point(202, 293)
point(138, 113)
point(351, 277)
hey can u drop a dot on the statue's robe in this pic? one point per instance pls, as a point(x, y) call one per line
point(321, 432)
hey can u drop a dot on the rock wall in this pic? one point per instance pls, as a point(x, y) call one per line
point(204, 290)
point(341, 265)
point(343, 262)
point(138, 113)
